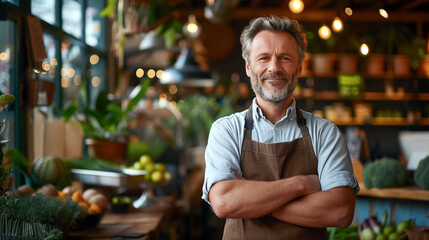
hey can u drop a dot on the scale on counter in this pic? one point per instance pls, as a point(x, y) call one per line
point(415, 146)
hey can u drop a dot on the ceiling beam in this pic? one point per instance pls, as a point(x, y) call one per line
point(364, 16)
point(255, 3)
point(412, 4)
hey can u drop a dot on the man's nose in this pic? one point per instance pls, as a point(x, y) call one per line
point(274, 65)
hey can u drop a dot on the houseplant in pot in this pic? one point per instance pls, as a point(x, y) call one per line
point(105, 124)
point(322, 53)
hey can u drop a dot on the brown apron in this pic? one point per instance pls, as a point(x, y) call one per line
point(270, 162)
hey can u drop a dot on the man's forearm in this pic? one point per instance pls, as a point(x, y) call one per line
point(331, 208)
point(251, 199)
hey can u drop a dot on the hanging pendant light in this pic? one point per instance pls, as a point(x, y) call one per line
point(186, 72)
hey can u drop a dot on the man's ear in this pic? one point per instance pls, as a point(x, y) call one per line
point(299, 72)
point(247, 69)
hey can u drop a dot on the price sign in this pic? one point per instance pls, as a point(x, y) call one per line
point(350, 85)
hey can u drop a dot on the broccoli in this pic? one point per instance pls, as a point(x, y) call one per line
point(421, 175)
point(384, 173)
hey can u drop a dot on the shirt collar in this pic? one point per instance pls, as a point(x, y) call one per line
point(290, 112)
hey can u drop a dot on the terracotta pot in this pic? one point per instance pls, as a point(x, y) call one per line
point(108, 150)
point(324, 64)
point(401, 65)
point(306, 65)
point(348, 63)
point(376, 65)
point(423, 69)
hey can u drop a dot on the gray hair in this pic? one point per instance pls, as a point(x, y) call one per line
point(273, 24)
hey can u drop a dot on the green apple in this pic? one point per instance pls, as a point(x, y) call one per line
point(160, 167)
point(145, 159)
point(138, 166)
point(149, 167)
point(168, 176)
point(156, 176)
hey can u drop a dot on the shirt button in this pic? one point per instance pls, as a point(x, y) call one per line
point(276, 129)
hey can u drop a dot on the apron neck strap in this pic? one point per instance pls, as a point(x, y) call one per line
point(248, 125)
point(302, 122)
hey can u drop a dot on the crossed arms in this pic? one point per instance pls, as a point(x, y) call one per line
point(297, 200)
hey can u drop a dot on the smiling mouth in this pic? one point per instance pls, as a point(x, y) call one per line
point(275, 82)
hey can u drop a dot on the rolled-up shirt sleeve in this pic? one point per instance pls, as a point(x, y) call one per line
point(335, 167)
point(222, 154)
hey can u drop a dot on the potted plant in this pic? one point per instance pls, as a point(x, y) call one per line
point(322, 57)
point(136, 16)
point(105, 124)
point(348, 43)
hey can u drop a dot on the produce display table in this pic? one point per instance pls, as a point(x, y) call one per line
point(142, 223)
point(409, 202)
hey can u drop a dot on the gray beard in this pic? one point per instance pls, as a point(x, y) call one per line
point(272, 96)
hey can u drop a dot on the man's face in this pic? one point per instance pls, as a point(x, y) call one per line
point(273, 65)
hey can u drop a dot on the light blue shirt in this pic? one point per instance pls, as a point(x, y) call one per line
point(223, 149)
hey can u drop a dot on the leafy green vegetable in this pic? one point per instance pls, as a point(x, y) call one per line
point(350, 233)
point(92, 163)
point(384, 173)
point(421, 175)
point(37, 216)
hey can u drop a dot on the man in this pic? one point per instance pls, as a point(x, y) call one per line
point(275, 171)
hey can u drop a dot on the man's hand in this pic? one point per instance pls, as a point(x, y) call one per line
point(251, 199)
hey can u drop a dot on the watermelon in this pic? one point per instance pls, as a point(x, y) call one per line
point(51, 170)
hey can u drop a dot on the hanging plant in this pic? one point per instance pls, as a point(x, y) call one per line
point(136, 16)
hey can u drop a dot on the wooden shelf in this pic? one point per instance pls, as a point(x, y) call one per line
point(423, 96)
point(408, 192)
point(386, 97)
point(371, 96)
point(381, 122)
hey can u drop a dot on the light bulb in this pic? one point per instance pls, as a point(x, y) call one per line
point(364, 49)
point(383, 13)
point(324, 32)
point(348, 11)
point(337, 24)
point(192, 28)
point(296, 6)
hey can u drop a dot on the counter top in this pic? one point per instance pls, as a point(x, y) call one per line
point(406, 192)
point(142, 223)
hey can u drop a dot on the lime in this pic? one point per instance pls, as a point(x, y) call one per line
point(145, 159)
point(402, 226)
point(387, 230)
point(395, 235)
point(156, 176)
point(381, 237)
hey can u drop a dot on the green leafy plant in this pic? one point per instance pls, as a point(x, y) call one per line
point(5, 100)
point(199, 112)
point(107, 120)
point(37, 216)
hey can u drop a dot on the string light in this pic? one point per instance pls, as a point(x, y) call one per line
point(94, 59)
point(383, 13)
point(337, 24)
point(364, 49)
point(296, 6)
point(324, 32)
point(348, 11)
point(151, 73)
point(192, 28)
point(139, 73)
